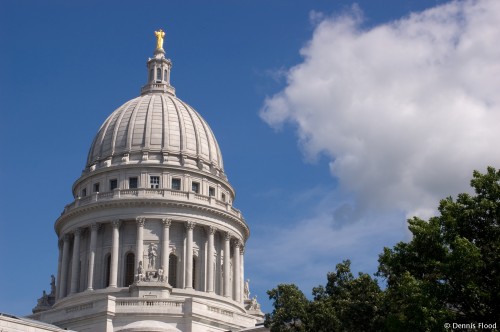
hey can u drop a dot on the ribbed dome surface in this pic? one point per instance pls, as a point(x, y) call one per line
point(155, 123)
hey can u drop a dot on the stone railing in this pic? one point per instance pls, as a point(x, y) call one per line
point(127, 302)
point(131, 305)
point(141, 193)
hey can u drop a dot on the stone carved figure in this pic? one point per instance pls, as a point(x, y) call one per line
point(247, 289)
point(44, 300)
point(152, 254)
point(254, 305)
point(160, 274)
point(159, 39)
point(52, 285)
point(140, 272)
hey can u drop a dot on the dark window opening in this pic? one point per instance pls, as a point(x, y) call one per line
point(211, 191)
point(108, 269)
point(113, 184)
point(132, 183)
point(129, 269)
point(195, 187)
point(176, 184)
point(96, 187)
point(154, 181)
point(172, 270)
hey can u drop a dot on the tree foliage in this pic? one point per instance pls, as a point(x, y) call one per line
point(346, 303)
point(448, 272)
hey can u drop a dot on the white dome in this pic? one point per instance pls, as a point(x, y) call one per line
point(156, 123)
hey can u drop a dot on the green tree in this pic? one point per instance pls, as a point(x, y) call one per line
point(290, 309)
point(449, 271)
point(346, 303)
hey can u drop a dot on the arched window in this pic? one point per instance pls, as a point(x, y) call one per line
point(107, 269)
point(129, 269)
point(172, 270)
point(158, 74)
point(165, 77)
point(151, 77)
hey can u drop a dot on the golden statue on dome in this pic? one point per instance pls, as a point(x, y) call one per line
point(159, 39)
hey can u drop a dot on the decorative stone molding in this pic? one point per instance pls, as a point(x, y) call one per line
point(212, 230)
point(140, 221)
point(167, 222)
point(116, 223)
point(190, 224)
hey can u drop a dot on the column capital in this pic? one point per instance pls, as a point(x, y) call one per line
point(212, 230)
point(95, 226)
point(116, 223)
point(227, 236)
point(190, 224)
point(66, 237)
point(140, 221)
point(242, 249)
point(166, 222)
point(236, 243)
point(77, 231)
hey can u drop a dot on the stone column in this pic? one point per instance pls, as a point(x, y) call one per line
point(242, 273)
point(165, 245)
point(189, 254)
point(236, 271)
point(64, 269)
point(93, 242)
point(139, 242)
point(227, 259)
point(59, 266)
point(210, 260)
point(113, 275)
point(76, 261)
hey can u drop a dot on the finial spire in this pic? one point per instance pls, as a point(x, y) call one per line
point(159, 39)
point(159, 69)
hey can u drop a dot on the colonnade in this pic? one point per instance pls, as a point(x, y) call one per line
point(70, 249)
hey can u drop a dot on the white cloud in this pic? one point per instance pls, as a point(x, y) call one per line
point(405, 110)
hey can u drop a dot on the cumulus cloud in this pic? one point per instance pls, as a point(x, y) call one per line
point(405, 110)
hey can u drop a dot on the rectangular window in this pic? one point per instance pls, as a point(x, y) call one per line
point(113, 184)
point(154, 182)
point(223, 197)
point(211, 191)
point(84, 192)
point(176, 184)
point(195, 187)
point(96, 187)
point(132, 183)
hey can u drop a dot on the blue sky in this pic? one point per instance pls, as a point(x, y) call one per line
point(337, 120)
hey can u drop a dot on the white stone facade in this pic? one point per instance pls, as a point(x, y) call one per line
point(151, 241)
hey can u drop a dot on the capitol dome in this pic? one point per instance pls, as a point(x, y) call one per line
point(161, 127)
point(151, 235)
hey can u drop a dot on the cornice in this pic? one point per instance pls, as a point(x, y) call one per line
point(103, 205)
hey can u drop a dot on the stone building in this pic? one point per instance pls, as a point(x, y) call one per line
point(152, 241)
